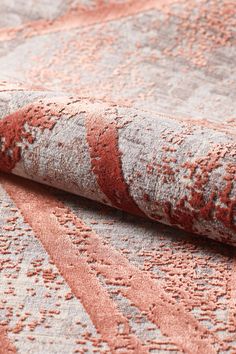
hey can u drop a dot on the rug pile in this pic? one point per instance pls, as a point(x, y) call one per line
point(117, 185)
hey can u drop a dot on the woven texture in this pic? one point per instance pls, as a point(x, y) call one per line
point(130, 104)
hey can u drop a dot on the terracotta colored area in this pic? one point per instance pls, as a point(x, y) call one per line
point(196, 195)
point(36, 305)
point(38, 210)
point(173, 321)
point(106, 162)
point(12, 128)
point(6, 346)
point(198, 274)
point(112, 263)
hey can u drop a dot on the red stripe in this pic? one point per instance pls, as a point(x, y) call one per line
point(231, 284)
point(102, 138)
point(43, 213)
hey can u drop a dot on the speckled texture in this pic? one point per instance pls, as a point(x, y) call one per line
point(171, 170)
point(132, 104)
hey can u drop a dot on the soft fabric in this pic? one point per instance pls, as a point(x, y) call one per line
point(131, 104)
point(175, 171)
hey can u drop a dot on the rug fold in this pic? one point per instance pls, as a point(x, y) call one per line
point(179, 172)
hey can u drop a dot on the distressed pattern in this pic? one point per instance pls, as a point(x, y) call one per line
point(131, 104)
point(102, 151)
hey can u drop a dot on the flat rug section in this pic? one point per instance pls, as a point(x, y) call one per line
point(79, 276)
point(118, 157)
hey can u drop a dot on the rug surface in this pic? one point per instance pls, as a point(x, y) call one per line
point(78, 276)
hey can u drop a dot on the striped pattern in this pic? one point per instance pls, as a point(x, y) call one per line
point(130, 104)
point(83, 257)
point(186, 179)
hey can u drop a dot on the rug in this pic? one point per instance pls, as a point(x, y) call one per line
point(118, 158)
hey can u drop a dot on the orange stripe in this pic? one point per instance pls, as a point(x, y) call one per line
point(6, 347)
point(39, 211)
point(47, 218)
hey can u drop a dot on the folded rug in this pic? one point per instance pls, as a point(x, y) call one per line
point(177, 171)
point(130, 103)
